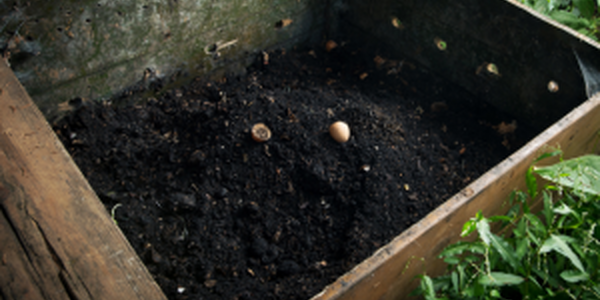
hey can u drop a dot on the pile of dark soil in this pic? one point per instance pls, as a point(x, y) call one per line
point(216, 215)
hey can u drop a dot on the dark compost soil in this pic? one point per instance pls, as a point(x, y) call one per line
point(216, 215)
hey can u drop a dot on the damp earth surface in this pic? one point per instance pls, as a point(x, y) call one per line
point(214, 214)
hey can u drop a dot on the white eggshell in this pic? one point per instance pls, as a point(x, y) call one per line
point(340, 131)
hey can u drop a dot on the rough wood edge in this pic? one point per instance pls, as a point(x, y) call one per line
point(71, 247)
point(390, 272)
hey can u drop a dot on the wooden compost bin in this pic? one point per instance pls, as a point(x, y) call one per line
point(58, 242)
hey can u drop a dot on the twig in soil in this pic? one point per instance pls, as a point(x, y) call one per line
point(113, 210)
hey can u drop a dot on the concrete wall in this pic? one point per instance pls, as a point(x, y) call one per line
point(60, 50)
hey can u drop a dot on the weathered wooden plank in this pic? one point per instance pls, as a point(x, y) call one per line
point(57, 240)
point(18, 279)
point(390, 272)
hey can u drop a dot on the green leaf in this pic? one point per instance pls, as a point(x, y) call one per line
point(549, 154)
point(455, 282)
point(581, 174)
point(452, 260)
point(522, 248)
point(563, 209)
point(528, 3)
point(535, 239)
point(546, 277)
point(542, 6)
point(495, 294)
point(479, 215)
point(497, 243)
point(548, 208)
point(550, 292)
point(468, 228)
point(586, 7)
point(520, 230)
point(513, 212)
point(573, 276)
point(500, 218)
point(499, 279)
point(554, 4)
point(532, 279)
point(520, 197)
point(569, 19)
point(531, 183)
point(596, 288)
point(472, 258)
point(559, 244)
point(427, 287)
point(585, 31)
point(535, 221)
point(462, 276)
point(483, 228)
point(460, 247)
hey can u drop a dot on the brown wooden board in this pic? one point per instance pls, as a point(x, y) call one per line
point(56, 239)
point(390, 272)
point(528, 50)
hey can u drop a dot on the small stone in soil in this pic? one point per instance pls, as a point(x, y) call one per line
point(185, 199)
point(259, 246)
point(288, 267)
point(222, 193)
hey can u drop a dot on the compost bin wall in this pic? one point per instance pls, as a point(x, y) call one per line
point(93, 49)
point(60, 50)
point(528, 50)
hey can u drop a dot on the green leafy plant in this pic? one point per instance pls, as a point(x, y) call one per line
point(581, 15)
point(551, 254)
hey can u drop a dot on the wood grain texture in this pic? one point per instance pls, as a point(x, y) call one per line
point(390, 272)
point(56, 239)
